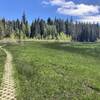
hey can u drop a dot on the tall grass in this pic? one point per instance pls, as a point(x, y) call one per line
point(57, 71)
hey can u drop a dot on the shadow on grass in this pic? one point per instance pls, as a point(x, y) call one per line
point(83, 49)
point(74, 48)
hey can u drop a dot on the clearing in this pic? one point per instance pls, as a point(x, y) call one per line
point(56, 71)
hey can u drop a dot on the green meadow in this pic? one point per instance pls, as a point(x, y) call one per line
point(56, 71)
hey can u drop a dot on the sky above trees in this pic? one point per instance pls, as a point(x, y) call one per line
point(81, 10)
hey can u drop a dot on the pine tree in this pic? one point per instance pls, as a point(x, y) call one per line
point(49, 21)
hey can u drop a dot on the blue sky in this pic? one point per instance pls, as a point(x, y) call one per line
point(82, 10)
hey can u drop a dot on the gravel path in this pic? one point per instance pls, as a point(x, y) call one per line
point(7, 89)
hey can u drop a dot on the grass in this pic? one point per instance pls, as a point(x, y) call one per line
point(56, 71)
point(2, 61)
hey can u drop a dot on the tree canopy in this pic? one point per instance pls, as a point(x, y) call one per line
point(49, 29)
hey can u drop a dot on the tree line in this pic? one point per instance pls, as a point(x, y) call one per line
point(49, 29)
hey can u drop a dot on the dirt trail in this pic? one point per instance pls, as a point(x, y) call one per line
point(7, 89)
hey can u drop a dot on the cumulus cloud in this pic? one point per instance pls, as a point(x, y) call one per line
point(57, 2)
point(81, 10)
point(78, 10)
point(91, 19)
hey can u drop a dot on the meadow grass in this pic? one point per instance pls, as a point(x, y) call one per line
point(2, 62)
point(56, 71)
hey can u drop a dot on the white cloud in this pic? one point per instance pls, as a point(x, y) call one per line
point(57, 2)
point(83, 11)
point(45, 3)
point(78, 10)
point(91, 19)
